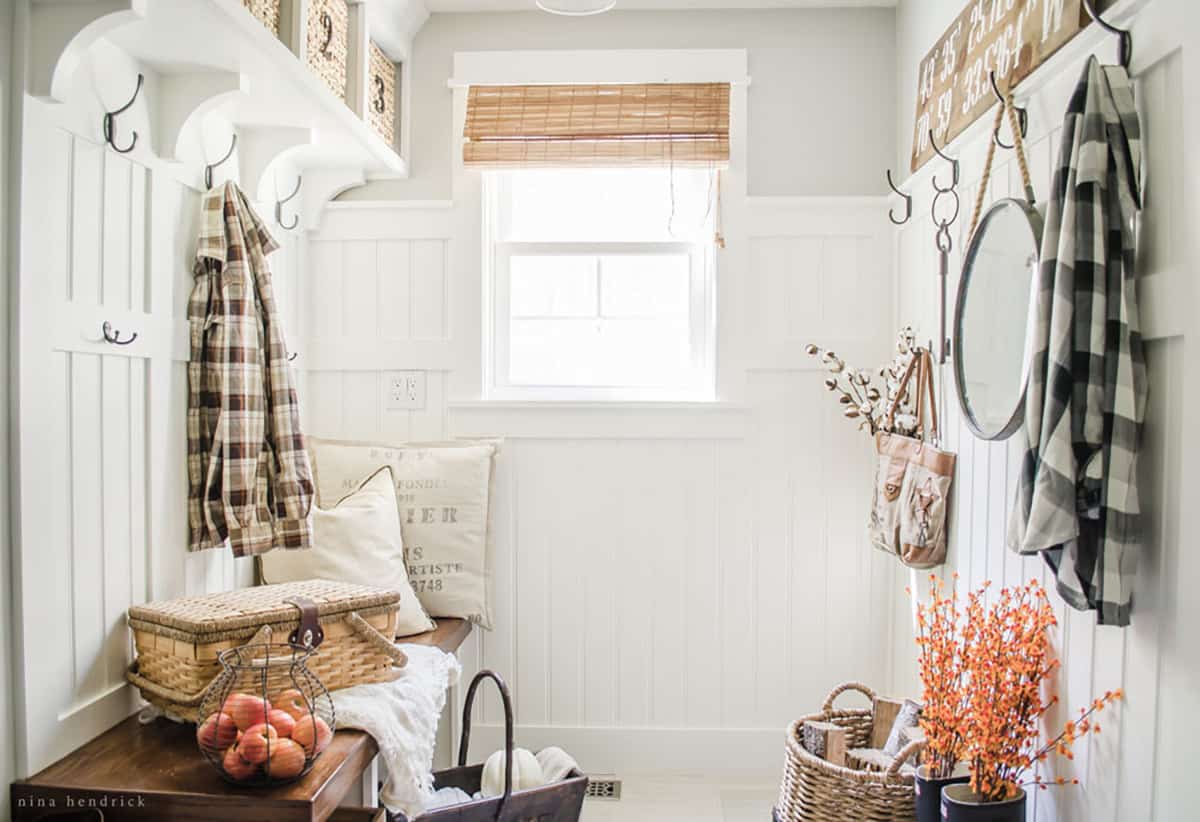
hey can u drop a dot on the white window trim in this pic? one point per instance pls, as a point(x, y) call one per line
point(598, 66)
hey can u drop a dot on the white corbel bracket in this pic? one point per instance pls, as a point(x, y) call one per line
point(322, 186)
point(62, 32)
point(263, 149)
point(184, 99)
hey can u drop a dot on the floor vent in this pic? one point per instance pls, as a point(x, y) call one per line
point(603, 787)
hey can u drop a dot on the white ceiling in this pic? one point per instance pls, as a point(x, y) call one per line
point(645, 5)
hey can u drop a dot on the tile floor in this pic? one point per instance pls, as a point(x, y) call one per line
point(690, 797)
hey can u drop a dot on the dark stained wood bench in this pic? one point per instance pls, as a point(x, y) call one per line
point(154, 772)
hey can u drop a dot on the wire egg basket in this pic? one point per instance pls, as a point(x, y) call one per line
point(266, 718)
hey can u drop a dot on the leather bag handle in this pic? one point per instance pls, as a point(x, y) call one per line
point(922, 365)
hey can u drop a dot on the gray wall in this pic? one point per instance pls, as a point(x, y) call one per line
point(822, 120)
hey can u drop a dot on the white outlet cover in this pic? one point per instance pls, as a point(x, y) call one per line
point(404, 390)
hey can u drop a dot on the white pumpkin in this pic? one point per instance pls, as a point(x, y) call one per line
point(527, 773)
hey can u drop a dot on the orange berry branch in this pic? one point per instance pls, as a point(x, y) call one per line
point(983, 668)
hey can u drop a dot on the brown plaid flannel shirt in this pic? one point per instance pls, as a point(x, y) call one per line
point(249, 479)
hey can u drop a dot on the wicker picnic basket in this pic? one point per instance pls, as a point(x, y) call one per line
point(327, 41)
point(381, 96)
point(267, 12)
point(814, 790)
point(179, 641)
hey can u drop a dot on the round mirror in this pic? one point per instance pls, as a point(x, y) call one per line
point(991, 318)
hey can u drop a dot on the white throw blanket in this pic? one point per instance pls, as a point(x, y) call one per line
point(403, 716)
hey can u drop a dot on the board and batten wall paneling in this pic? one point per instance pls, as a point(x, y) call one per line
point(101, 502)
point(671, 586)
point(1132, 770)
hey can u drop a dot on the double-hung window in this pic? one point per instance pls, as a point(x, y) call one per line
point(602, 283)
point(600, 210)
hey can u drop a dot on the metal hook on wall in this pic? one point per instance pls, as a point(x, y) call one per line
point(1022, 115)
point(954, 166)
point(1125, 46)
point(908, 203)
point(113, 336)
point(279, 207)
point(208, 169)
point(109, 116)
point(291, 357)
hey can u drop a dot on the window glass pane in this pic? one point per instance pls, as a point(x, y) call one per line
point(642, 353)
point(558, 286)
point(619, 204)
point(644, 285)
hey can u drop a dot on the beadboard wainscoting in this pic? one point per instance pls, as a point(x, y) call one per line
point(1136, 768)
point(101, 501)
point(674, 582)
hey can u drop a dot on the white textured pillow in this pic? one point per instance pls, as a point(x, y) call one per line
point(444, 492)
point(358, 539)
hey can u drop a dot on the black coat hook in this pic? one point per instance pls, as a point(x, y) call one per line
point(953, 166)
point(291, 357)
point(908, 202)
point(279, 207)
point(113, 336)
point(109, 116)
point(1022, 115)
point(1125, 47)
point(208, 169)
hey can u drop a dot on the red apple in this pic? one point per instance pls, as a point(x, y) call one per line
point(281, 721)
point(257, 742)
point(313, 733)
point(237, 767)
point(247, 710)
point(217, 732)
point(293, 702)
point(286, 760)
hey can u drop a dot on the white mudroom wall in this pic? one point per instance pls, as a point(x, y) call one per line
point(672, 583)
point(1138, 768)
point(99, 466)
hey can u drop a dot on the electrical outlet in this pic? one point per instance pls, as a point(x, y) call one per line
point(405, 390)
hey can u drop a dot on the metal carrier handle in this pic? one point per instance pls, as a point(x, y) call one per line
point(508, 730)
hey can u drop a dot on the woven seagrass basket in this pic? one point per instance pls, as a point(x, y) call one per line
point(179, 641)
point(381, 95)
point(327, 35)
point(814, 790)
point(267, 12)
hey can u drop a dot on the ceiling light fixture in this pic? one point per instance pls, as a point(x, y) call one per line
point(576, 8)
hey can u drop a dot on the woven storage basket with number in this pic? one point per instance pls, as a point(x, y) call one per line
point(327, 38)
point(267, 12)
point(814, 790)
point(381, 95)
point(179, 641)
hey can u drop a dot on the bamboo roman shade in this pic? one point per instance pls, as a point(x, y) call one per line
point(653, 124)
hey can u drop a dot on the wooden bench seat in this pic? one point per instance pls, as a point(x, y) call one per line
point(155, 772)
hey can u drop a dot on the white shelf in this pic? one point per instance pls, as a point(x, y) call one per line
point(194, 37)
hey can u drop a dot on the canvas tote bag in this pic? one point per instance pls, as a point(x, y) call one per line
point(910, 504)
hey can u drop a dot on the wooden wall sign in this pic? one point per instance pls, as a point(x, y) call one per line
point(1010, 37)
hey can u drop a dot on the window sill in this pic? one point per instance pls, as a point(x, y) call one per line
point(563, 419)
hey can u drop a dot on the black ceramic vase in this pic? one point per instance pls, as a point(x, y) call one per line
point(929, 794)
point(960, 804)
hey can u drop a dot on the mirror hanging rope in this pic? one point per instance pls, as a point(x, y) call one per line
point(997, 286)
